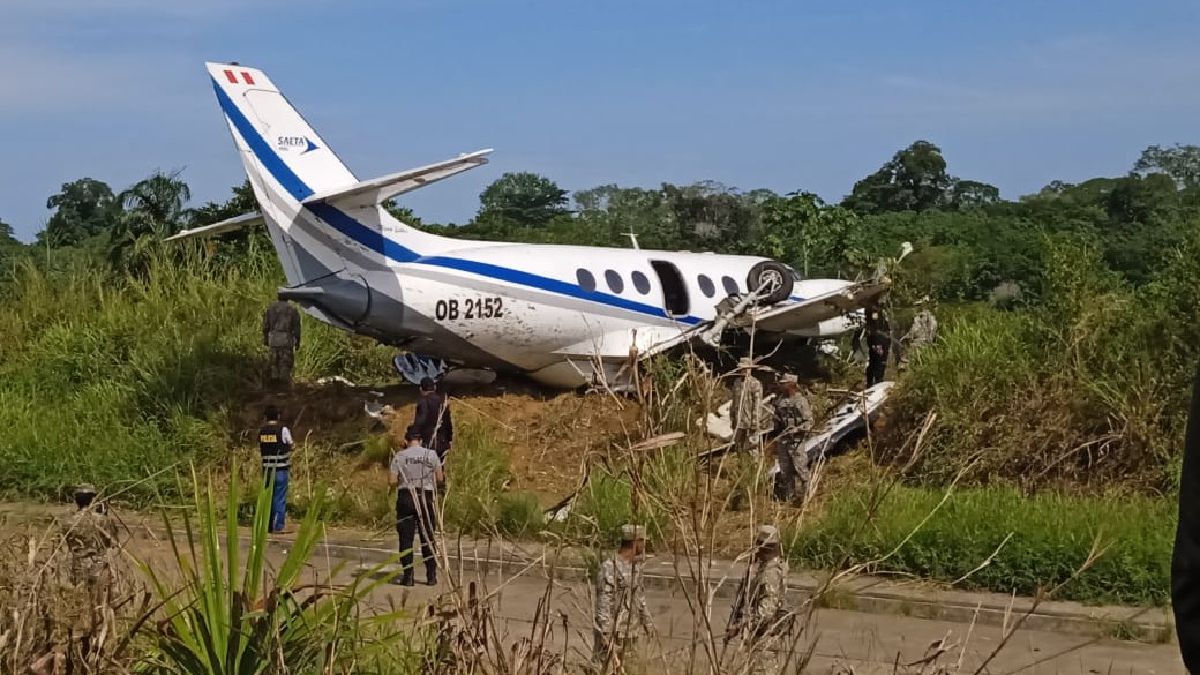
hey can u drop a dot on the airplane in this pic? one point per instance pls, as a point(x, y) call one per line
point(564, 316)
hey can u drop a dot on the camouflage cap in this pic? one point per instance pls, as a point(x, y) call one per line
point(789, 378)
point(744, 363)
point(767, 534)
point(85, 489)
point(632, 532)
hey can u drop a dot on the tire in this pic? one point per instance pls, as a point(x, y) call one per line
point(778, 278)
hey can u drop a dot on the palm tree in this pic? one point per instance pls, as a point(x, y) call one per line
point(154, 208)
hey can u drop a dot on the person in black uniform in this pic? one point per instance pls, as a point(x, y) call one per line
point(1185, 563)
point(416, 472)
point(879, 343)
point(432, 418)
point(275, 446)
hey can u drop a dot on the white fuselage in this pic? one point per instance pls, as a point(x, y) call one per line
point(552, 312)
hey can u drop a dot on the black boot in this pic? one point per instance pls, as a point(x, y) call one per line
point(430, 575)
point(406, 579)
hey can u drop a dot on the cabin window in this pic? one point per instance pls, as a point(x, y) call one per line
point(586, 281)
point(706, 286)
point(615, 283)
point(730, 285)
point(640, 282)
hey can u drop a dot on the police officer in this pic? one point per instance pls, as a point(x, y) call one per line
point(923, 332)
point(759, 617)
point(281, 334)
point(416, 472)
point(879, 343)
point(275, 446)
point(793, 422)
point(619, 594)
point(746, 407)
point(90, 535)
point(432, 418)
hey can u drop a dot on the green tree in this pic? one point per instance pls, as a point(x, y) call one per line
point(241, 202)
point(972, 193)
point(608, 213)
point(523, 199)
point(9, 247)
point(708, 215)
point(800, 229)
point(1181, 163)
point(83, 209)
point(154, 209)
point(7, 240)
point(915, 179)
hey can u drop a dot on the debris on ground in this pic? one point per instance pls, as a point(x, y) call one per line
point(335, 378)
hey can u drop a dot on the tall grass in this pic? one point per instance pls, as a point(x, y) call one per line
point(1088, 387)
point(229, 616)
point(478, 474)
point(113, 379)
point(1030, 543)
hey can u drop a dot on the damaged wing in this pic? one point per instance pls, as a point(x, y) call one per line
point(809, 312)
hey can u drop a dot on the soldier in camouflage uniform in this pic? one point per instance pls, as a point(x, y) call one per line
point(619, 596)
point(923, 332)
point(745, 409)
point(793, 422)
point(759, 617)
point(90, 535)
point(281, 333)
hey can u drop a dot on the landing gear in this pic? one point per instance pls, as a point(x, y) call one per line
point(414, 367)
point(773, 280)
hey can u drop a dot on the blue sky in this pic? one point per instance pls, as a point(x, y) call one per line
point(784, 95)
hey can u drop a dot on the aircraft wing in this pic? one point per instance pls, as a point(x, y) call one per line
point(228, 225)
point(809, 312)
point(368, 193)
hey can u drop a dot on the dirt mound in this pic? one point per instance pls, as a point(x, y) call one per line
point(548, 437)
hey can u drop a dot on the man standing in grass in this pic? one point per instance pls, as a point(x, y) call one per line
point(275, 446)
point(416, 472)
point(619, 593)
point(922, 333)
point(281, 334)
point(879, 344)
point(746, 407)
point(432, 418)
point(90, 536)
point(793, 422)
point(758, 615)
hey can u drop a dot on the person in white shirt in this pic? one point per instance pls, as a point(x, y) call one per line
point(416, 472)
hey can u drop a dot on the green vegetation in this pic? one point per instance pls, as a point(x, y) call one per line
point(1070, 330)
point(227, 616)
point(1032, 543)
point(111, 379)
point(477, 475)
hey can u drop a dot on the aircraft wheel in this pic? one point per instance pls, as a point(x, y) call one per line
point(778, 280)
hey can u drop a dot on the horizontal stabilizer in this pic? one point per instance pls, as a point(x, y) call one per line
point(229, 225)
point(368, 193)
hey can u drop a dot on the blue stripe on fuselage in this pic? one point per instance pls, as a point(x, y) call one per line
point(393, 250)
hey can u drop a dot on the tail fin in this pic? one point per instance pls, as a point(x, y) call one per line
point(322, 220)
point(271, 129)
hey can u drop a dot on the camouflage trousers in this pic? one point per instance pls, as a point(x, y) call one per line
point(763, 654)
point(795, 471)
point(89, 599)
point(604, 649)
point(747, 440)
point(280, 367)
